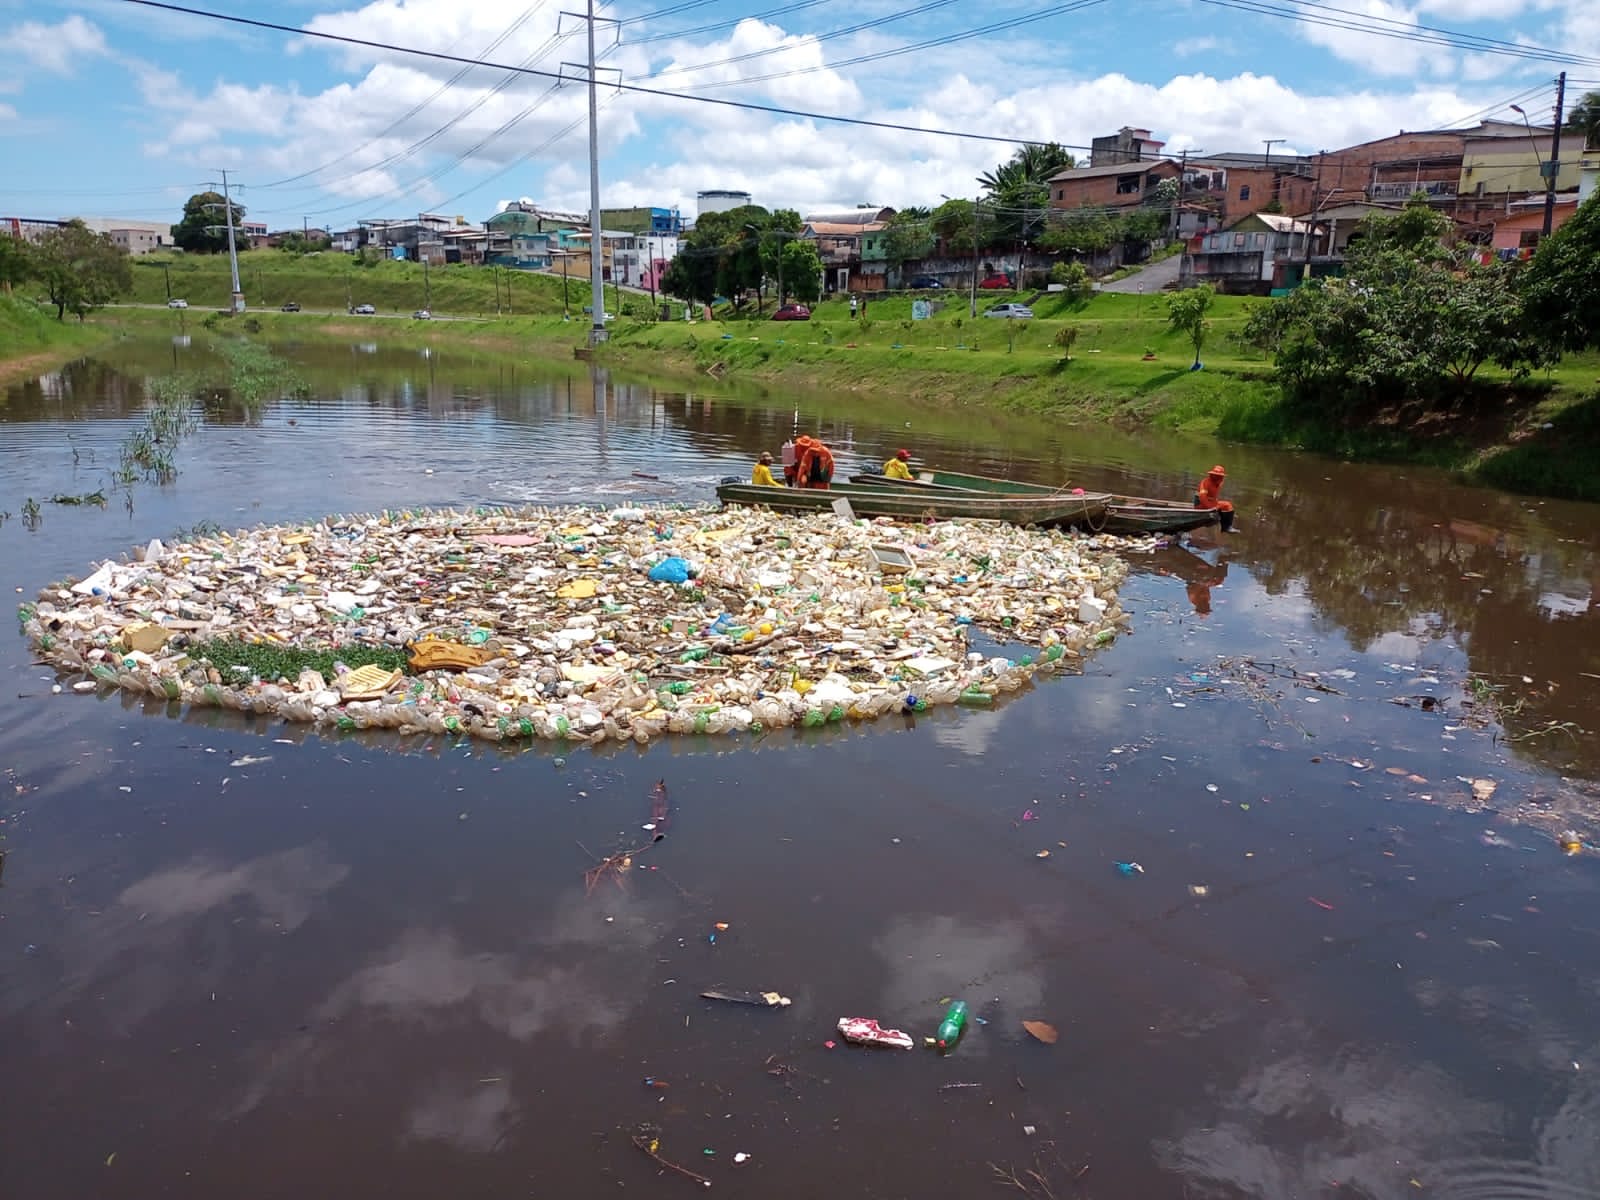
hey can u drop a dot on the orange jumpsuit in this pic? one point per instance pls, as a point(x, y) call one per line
point(1209, 494)
point(813, 466)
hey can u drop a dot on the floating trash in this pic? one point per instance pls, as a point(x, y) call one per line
point(566, 623)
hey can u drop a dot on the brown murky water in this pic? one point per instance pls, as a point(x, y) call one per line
point(1350, 967)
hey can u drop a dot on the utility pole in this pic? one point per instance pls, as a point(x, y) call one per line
point(597, 330)
point(1553, 168)
point(237, 301)
point(973, 298)
point(1177, 201)
point(1270, 143)
point(427, 291)
point(1316, 208)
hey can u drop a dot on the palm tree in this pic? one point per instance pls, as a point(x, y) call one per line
point(1585, 118)
point(1028, 165)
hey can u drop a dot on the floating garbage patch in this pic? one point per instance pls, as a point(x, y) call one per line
point(584, 624)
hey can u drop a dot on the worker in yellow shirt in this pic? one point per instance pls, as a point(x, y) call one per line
point(762, 475)
point(896, 467)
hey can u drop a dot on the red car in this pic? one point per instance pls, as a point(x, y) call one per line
point(792, 312)
point(996, 282)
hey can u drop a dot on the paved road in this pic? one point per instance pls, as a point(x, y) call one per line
point(1151, 279)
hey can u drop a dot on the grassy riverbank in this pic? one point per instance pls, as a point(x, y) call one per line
point(1125, 367)
point(330, 282)
point(33, 341)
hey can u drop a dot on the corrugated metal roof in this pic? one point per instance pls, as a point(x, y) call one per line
point(1131, 168)
point(851, 216)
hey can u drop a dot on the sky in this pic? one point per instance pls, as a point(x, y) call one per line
point(109, 108)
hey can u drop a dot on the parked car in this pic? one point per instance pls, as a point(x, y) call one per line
point(792, 312)
point(291, 307)
point(176, 303)
point(588, 311)
point(924, 282)
point(1019, 311)
point(996, 282)
point(422, 314)
point(364, 310)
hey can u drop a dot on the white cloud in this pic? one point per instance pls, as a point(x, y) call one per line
point(1205, 44)
point(1376, 53)
point(61, 48)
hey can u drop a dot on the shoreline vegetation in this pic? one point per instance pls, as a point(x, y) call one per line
point(1104, 358)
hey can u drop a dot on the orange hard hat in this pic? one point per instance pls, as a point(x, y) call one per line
point(1217, 470)
point(903, 454)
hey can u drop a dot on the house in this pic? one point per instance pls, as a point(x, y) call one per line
point(640, 259)
point(1590, 177)
point(29, 229)
point(572, 246)
point(1235, 185)
point(1517, 233)
point(516, 237)
point(1250, 258)
point(662, 222)
point(417, 238)
point(1115, 185)
point(848, 265)
point(1124, 146)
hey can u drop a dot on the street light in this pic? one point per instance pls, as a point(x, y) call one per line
point(1532, 141)
point(975, 252)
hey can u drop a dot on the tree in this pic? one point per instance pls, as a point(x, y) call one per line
point(721, 256)
point(1018, 190)
point(782, 227)
point(80, 269)
point(1558, 286)
point(1186, 313)
point(194, 231)
point(1074, 278)
point(802, 270)
point(302, 243)
point(1400, 326)
point(15, 266)
point(1584, 119)
point(908, 236)
point(962, 225)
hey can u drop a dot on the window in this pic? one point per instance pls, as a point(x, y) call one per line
point(1528, 239)
point(1127, 184)
point(1244, 191)
point(1061, 193)
point(1238, 239)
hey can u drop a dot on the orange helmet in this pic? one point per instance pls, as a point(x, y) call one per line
point(1217, 471)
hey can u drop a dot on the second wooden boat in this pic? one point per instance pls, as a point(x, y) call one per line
point(1059, 511)
point(1123, 514)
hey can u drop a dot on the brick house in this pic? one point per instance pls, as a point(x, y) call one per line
point(1112, 186)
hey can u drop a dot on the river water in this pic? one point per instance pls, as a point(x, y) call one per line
point(1341, 744)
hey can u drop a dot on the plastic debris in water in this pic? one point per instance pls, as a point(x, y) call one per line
point(1130, 868)
point(864, 1031)
point(759, 999)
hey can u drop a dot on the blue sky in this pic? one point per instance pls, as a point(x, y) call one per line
point(108, 109)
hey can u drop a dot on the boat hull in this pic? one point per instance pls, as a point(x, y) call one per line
point(1123, 514)
point(1056, 511)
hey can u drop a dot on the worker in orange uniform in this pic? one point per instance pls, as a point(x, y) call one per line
point(896, 467)
point(761, 476)
point(1209, 495)
point(813, 466)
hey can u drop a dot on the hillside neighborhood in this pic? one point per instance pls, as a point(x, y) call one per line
point(1245, 222)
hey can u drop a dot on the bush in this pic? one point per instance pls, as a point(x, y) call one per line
point(1074, 277)
point(1067, 337)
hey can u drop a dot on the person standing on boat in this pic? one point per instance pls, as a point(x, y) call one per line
point(1209, 495)
point(813, 463)
point(896, 467)
point(761, 476)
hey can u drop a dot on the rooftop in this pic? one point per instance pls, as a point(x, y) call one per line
point(1127, 168)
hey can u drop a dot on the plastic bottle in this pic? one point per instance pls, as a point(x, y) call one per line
point(954, 1023)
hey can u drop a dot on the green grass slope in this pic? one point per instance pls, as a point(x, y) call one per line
point(330, 282)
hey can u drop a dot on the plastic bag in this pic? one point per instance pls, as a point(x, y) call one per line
point(670, 570)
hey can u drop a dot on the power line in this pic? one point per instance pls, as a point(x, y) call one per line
point(1401, 31)
point(783, 10)
point(894, 52)
point(662, 93)
point(830, 35)
point(400, 121)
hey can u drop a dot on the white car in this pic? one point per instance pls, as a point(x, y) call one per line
point(422, 314)
point(176, 303)
point(1020, 311)
point(364, 310)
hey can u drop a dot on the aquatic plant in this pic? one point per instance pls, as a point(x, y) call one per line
point(268, 662)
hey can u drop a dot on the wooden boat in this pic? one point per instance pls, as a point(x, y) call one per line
point(1123, 515)
point(1049, 510)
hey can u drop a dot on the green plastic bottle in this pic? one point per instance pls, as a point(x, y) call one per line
point(953, 1025)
